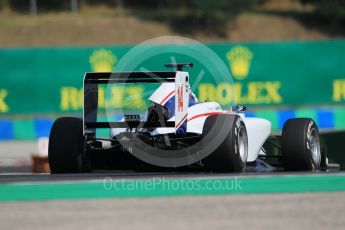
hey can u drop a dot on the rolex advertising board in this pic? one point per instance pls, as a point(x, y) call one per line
point(265, 75)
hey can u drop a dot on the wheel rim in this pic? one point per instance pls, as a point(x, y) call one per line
point(243, 144)
point(314, 143)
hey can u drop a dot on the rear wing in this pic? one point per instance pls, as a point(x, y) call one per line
point(92, 80)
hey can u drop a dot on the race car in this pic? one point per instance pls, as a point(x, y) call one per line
point(177, 132)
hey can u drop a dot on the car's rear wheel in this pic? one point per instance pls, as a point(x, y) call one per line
point(301, 145)
point(231, 154)
point(66, 146)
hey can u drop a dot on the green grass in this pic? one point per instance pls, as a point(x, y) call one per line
point(157, 187)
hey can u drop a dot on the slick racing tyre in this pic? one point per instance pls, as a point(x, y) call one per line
point(66, 146)
point(301, 145)
point(231, 154)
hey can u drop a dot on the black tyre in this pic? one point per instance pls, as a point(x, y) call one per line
point(301, 145)
point(66, 146)
point(231, 154)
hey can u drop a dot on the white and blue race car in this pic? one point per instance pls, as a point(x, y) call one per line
point(178, 132)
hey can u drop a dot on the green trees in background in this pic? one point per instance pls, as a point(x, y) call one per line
point(183, 15)
point(43, 5)
point(333, 10)
point(50, 5)
point(208, 9)
point(210, 15)
point(186, 15)
point(189, 16)
point(204, 5)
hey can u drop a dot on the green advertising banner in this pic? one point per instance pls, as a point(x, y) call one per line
point(49, 80)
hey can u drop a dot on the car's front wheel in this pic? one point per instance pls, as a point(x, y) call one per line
point(301, 145)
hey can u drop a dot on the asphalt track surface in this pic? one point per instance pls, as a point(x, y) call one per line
point(278, 211)
point(124, 174)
